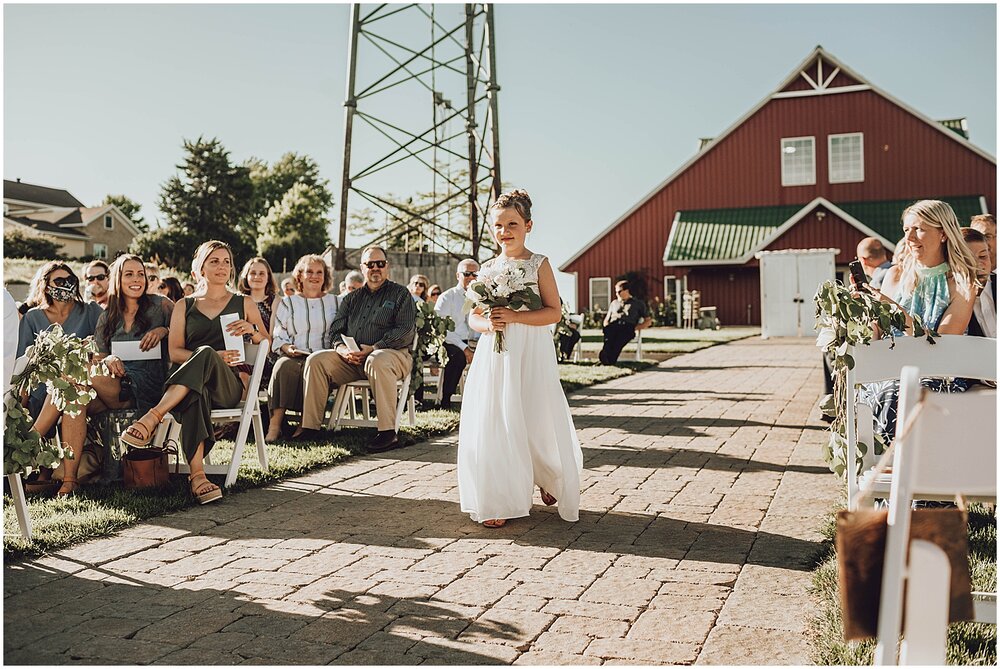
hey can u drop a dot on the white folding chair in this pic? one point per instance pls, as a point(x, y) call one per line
point(345, 413)
point(439, 380)
point(246, 413)
point(950, 356)
point(638, 346)
point(931, 462)
point(16, 489)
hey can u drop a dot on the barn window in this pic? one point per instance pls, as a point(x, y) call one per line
point(798, 161)
point(847, 158)
point(600, 293)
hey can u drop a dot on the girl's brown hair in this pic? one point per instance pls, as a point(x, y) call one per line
point(517, 199)
point(270, 290)
point(116, 298)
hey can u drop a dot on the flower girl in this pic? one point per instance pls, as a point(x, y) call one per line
point(516, 431)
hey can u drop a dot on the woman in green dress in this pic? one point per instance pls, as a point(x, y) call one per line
point(203, 375)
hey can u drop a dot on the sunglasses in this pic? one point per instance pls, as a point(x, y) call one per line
point(96, 277)
point(436, 293)
point(64, 282)
point(468, 274)
point(422, 285)
point(372, 264)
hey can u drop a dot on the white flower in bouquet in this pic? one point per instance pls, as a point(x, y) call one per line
point(505, 287)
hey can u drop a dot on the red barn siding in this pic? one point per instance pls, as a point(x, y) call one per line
point(905, 158)
point(730, 290)
point(815, 233)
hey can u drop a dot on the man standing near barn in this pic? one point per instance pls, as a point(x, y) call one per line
point(625, 315)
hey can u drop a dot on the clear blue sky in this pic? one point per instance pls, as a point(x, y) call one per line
point(599, 103)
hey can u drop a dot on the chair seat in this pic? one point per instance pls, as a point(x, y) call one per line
point(365, 384)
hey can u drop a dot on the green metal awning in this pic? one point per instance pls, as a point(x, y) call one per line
point(729, 236)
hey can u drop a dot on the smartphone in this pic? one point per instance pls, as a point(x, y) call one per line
point(858, 273)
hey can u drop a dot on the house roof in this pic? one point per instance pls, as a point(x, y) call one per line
point(61, 216)
point(48, 228)
point(732, 236)
point(824, 87)
point(25, 192)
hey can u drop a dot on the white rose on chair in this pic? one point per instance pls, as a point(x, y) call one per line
point(507, 287)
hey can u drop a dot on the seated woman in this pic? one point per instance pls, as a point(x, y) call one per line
point(132, 315)
point(257, 281)
point(203, 375)
point(418, 287)
point(56, 292)
point(170, 287)
point(933, 278)
point(301, 326)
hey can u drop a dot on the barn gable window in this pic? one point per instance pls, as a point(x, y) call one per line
point(798, 161)
point(600, 293)
point(847, 157)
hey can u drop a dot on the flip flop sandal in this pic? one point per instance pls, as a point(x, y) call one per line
point(208, 495)
point(494, 523)
point(72, 491)
point(137, 434)
point(547, 499)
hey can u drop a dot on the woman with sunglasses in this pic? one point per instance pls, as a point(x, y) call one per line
point(170, 288)
point(418, 287)
point(433, 293)
point(56, 291)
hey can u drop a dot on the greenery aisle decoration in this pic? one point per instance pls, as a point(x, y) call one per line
point(62, 362)
point(432, 328)
point(845, 318)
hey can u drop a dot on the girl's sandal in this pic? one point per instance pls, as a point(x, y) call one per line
point(138, 434)
point(494, 523)
point(209, 492)
point(65, 492)
point(547, 499)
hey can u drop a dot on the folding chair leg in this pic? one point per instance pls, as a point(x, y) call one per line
point(412, 403)
point(20, 505)
point(258, 434)
point(343, 395)
point(926, 632)
point(234, 464)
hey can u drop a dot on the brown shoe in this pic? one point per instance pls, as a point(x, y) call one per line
point(386, 440)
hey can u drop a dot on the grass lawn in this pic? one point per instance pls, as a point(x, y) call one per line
point(103, 509)
point(968, 643)
point(663, 343)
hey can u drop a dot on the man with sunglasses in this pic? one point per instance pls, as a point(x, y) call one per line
point(381, 317)
point(451, 303)
point(96, 273)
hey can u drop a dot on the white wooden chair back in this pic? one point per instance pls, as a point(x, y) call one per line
point(945, 446)
point(950, 356)
point(246, 413)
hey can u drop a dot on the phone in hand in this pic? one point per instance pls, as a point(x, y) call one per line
point(858, 274)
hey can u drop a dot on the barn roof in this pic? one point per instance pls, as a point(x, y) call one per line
point(732, 236)
point(838, 78)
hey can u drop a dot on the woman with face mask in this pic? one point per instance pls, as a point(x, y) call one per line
point(56, 291)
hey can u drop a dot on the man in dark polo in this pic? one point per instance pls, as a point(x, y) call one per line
point(381, 318)
point(625, 315)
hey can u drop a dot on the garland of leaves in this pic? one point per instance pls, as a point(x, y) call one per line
point(62, 362)
point(845, 318)
point(432, 328)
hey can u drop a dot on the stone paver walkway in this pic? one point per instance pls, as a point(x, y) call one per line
point(703, 493)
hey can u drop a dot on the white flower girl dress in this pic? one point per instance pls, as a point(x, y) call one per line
point(516, 431)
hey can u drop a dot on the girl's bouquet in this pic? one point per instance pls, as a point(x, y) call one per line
point(501, 287)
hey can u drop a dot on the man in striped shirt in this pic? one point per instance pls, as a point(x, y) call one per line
point(381, 317)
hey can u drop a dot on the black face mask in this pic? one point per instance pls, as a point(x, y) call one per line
point(63, 289)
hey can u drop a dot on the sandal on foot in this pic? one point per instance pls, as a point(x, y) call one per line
point(138, 434)
point(496, 522)
point(209, 491)
point(74, 487)
point(547, 499)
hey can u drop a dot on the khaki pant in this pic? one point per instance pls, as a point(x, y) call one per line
point(327, 369)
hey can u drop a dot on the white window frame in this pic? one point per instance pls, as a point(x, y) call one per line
point(829, 158)
point(101, 251)
point(785, 178)
point(606, 280)
point(109, 222)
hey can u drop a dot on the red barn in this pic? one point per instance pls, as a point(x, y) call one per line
point(822, 162)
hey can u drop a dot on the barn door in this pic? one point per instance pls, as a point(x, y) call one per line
point(812, 270)
point(779, 287)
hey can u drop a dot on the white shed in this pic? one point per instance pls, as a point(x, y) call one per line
point(788, 282)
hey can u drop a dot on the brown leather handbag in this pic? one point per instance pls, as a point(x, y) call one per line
point(148, 467)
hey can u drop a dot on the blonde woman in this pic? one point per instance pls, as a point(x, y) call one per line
point(203, 375)
point(418, 287)
point(301, 325)
point(934, 279)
